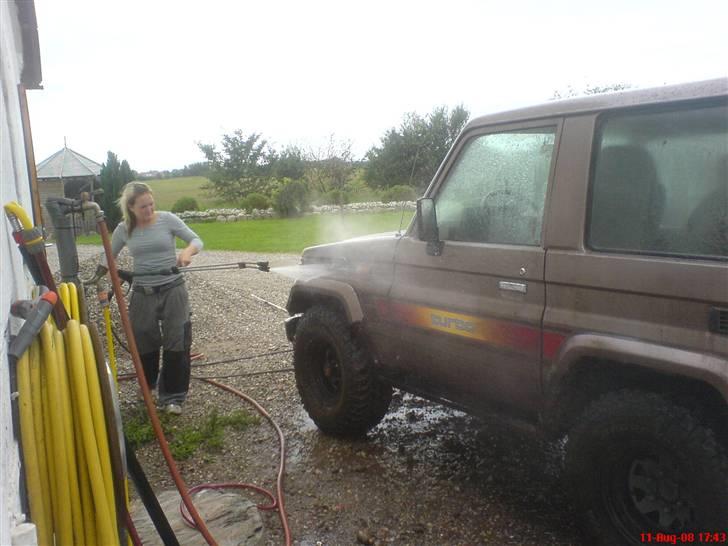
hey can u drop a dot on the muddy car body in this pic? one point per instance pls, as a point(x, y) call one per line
point(567, 268)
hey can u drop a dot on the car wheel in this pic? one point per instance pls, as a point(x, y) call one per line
point(638, 465)
point(334, 376)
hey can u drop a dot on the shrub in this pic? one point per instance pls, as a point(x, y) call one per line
point(290, 198)
point(185, 203)
point(333, 197)
point(358, 191)
point(255, 201)
point(399, 193)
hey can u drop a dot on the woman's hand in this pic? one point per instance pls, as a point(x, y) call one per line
point(185, 257)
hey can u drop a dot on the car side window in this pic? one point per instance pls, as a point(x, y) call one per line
point(660, 183)
point(496, 190)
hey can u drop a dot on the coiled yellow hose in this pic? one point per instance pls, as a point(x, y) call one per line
point(64, 437)
point(38, 501)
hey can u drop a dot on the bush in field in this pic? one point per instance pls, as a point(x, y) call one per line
point(290, 198)
point(399, 193)
point(185, 203)
point(358, 191)
point(333, 197)
point(255, 201)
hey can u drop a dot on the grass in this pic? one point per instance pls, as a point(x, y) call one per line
point(168, 190)
point(207, 433)
point(288, 235)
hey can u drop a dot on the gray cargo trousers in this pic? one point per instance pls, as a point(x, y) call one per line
point(166, 306)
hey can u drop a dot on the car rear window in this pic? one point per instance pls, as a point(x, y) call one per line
point(660, 183)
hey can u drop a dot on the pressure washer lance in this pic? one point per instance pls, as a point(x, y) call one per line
point(260, 266)
point(128, 276)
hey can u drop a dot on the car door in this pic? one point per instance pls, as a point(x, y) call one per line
point(465, 325)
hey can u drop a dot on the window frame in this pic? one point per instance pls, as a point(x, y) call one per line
point(600, 122)
point(472, 133)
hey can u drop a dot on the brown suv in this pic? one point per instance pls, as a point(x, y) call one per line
point(567, 267)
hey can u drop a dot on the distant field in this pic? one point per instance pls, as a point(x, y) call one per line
point(168, 190)
point(290, 235)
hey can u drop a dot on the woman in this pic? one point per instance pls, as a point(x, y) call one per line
point(157, 298)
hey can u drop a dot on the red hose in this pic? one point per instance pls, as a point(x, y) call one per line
point(151, 410)
point(279, 503)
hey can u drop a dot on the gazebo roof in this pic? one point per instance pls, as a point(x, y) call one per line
point(66, 163)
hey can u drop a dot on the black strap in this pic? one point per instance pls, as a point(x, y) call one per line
point(159, 519)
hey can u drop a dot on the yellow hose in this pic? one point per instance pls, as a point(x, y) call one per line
point(88, 529)
point(104, 520)
point(45, 447)
point(16, 210)
point(85, 507)
point(110, 344)
point(67, 500)
point(97, 414)
point(66, 450)
point(65, 296)
point(74, 312)
point(30, 454)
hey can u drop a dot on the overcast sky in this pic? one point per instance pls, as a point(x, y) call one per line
point(148, 79)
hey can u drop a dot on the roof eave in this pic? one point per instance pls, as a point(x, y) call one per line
point(31, 77)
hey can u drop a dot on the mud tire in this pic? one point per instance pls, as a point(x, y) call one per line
point(632, 452)
point(334, 376)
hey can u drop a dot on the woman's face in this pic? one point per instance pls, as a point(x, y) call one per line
point(143, 208)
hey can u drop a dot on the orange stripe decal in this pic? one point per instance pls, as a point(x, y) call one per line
point(499, 333)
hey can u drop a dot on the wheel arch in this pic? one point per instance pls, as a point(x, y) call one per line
point(335, 294)
point(589, 366)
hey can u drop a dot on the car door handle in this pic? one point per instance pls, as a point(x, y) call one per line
point(513, 286)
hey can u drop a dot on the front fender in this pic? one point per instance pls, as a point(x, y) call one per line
point(305, 292)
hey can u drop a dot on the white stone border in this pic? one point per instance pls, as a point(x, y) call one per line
point(235, 215)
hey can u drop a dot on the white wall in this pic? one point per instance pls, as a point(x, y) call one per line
point(14, 283)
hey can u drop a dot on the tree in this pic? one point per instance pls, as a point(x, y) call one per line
point(411, 154)
point(290, 163)
point(242, 166)
point(113, 178)
point(127, 175)
point(290, 198)
point(329, 166)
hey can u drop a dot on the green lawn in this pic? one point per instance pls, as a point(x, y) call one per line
point(290, 235)
point(168, 190)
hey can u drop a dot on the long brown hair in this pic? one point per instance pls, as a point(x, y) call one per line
point(129, 195)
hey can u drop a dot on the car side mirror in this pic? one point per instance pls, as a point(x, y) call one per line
point(427, 226)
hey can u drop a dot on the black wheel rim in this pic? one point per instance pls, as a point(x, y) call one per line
point(648, 491)
point(325, 366)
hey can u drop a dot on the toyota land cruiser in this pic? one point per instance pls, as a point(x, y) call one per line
point(567, 267)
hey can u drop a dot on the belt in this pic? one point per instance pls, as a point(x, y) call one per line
point(160, 288)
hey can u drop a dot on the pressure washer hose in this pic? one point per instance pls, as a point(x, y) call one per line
point(277, 504)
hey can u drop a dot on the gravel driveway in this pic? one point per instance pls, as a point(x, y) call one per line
point(426, 476)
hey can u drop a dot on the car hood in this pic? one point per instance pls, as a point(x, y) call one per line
point(370, 248)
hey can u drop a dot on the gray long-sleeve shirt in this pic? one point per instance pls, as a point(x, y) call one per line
point(153, 247)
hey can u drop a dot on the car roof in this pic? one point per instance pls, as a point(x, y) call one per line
point(604, 101)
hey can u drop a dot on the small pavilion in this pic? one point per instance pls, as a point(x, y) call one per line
point(66, 174)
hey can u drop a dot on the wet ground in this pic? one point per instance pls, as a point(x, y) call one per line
point(426, 475)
